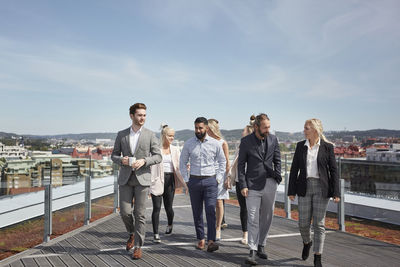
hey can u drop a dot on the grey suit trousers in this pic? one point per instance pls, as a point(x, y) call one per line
point(136, 223)
point(260, 211)
point(313, 206)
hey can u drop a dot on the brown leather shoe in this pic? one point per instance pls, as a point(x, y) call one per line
point(131, 241)
point(212, 246)
point(137, 253)
point(201, 245)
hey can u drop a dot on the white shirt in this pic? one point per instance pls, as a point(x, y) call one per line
point(312, 153)
point(133, 139)
point(167, 163)
point(203, 157)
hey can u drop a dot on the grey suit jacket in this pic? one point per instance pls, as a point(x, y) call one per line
point(259, 167)
point(147, 148)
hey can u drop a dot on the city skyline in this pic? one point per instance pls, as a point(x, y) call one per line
point(76, 67)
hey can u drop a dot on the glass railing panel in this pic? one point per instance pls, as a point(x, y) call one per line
point(68, 207)
point(21, 220)
point(375, 179)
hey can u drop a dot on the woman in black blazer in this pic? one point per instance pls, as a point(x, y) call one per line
point(313, 177)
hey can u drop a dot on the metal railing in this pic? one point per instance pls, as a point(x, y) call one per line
point(87, 202)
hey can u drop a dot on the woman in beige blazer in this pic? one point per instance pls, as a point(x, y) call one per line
point(165, 178)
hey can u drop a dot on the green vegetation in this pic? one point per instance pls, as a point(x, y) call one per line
point(8, 141)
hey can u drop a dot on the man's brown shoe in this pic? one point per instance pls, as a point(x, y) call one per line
point(201, 245)
point(137, 253)
point(212, 247)
point(129, 244)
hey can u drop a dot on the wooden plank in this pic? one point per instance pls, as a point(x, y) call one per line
point(28, 262)
point(40, 260)
point(75, 253)
point(17, 263)
point(89, 253)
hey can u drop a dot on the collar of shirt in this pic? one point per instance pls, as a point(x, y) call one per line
point(133, 132)
point(206, 138)
point(307, 143)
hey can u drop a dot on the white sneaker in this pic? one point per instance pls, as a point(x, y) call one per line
point(157, 238)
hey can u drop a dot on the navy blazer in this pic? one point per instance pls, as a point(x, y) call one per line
point(327, 170)
point(253, 167)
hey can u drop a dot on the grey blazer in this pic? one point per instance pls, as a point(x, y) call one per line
point(259, 167)
point(147, 148)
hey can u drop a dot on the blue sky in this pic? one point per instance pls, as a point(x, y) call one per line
point(77, 66)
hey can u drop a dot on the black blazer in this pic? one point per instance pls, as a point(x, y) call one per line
point(253, 168)
point(327, 170)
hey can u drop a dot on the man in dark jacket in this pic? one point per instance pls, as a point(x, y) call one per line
point(259, 167)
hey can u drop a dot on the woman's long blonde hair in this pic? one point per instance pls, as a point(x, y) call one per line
point(165, 129)
point(316, 124)
point(213, 125)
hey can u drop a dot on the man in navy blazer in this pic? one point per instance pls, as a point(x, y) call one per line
point(259, 168)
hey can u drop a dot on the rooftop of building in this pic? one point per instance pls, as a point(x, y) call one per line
point(102, 244)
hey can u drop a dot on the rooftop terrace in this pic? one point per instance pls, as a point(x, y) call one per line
point(102, 244)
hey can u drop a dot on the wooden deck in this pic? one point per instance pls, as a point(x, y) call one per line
point(102, 244)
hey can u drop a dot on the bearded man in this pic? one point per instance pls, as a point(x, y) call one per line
point(202, 152)
point(259, 168)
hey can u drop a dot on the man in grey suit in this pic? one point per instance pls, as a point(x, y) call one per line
point(135, 150)
point(259, 167)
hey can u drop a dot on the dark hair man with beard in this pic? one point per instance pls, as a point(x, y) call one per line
point(259, 168)
point(202, 152)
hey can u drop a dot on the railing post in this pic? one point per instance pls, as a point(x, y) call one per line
point(48, 208)
point(341, 211)
point(116, 192)
point(287, 200)
point(342, 226)
point(88, 202)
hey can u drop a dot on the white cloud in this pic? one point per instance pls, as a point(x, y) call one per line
point(83, 70)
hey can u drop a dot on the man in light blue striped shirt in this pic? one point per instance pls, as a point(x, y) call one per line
point(202, 153)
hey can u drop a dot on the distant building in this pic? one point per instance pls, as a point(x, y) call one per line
point(12, 152)
point(105, 142)
point(28, 175)
point(378, 152)
point(99, 153)
point(349, 138)
point(350, 151)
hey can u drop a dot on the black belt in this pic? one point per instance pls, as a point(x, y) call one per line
point(168, 173)
point(201, 177)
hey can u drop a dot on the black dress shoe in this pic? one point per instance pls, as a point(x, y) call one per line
point(251, 259)
point(306, 250)
point(168, 231)
point(261, 252)
point(317, 260)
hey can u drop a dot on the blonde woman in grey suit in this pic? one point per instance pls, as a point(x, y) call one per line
point(135, 150)
point(314, 178)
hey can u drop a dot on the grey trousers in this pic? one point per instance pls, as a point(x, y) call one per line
point(260, 211)
point(136, 223)
point(313, 206)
